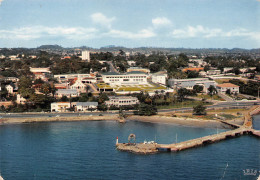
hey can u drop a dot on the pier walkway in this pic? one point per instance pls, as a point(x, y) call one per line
point(246, 128)
point(204, 140)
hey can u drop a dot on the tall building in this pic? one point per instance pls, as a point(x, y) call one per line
point(85, 56)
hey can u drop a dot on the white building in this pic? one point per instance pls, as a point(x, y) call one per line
point(131, 63)
point(20, 99)
point(125, 79)
point(11, 88)
point(160, 77)
point(222, 88)
point(41, 73)
point(190, 83)
point(63, 78)
point(66, 92)
point(60, 106)
point(14, 58)
point(85, 55)
point(84, 106)
point(121, 101)
point(79, 86)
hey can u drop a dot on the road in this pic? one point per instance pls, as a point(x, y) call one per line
point(71, 114)
point(112, 68)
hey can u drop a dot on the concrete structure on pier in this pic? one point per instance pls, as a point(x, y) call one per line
point(246, 128)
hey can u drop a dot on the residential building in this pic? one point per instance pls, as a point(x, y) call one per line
point(160, 77)
point(11, 88)
point(190, 83)
point(61, 86)
point(131, 63)
point(14, 58)
point(193, 69)
point(60, 106)
point(41, 73)
point(121, 101)
point(20, 99)
point(227, 69)
point(84, 106)
point(213, 72)
point(66, 92)
point(222, 88)
point(134, 77)
point(6, 104)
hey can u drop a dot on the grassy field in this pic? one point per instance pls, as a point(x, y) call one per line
point(149, 87)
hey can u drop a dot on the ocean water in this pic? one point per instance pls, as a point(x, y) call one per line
point(86, 150)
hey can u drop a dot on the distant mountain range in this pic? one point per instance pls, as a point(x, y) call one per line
point(111, 48)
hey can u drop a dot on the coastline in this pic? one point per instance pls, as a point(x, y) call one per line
point(162, 119)
point(181, 121)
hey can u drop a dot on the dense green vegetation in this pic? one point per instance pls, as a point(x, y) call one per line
point(250, 88)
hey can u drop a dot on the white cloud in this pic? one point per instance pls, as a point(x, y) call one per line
point(1, 1)
point(101, 19)
point(29, 33)
point(204, 32)
point(144, 33)
point(197, 31)
point(71, 33)
point(161, 21)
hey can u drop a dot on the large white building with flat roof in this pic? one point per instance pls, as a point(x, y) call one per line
point(122, 101)
point(85, 55)
point(134, 77)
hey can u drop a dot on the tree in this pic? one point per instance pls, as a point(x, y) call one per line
point(102, 98)
point(199, 109)
point(228, 91)
point(25, 87)
point(198, 88)
point(192, 74)
point(206, 68)
point(3, 92)
point(182, 93)
point(146, 110)
point(102, 107)
point(64, 99)
point(212, 90)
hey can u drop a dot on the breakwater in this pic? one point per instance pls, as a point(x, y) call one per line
point(246, 128)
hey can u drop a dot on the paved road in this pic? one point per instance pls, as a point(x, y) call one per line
point(112, 68)
point(70, 114)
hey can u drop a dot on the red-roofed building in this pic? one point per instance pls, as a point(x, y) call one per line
point(222, 88)
point(193, 69)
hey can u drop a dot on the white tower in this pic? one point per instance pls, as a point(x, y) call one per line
point(85, 56)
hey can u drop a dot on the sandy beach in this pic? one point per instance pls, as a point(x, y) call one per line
point(183, 121)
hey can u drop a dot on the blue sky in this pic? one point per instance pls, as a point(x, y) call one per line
point(131, 23)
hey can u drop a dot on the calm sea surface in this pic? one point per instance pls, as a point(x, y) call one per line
point(86, 150)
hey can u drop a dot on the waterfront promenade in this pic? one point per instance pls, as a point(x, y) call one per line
point(246, 128)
